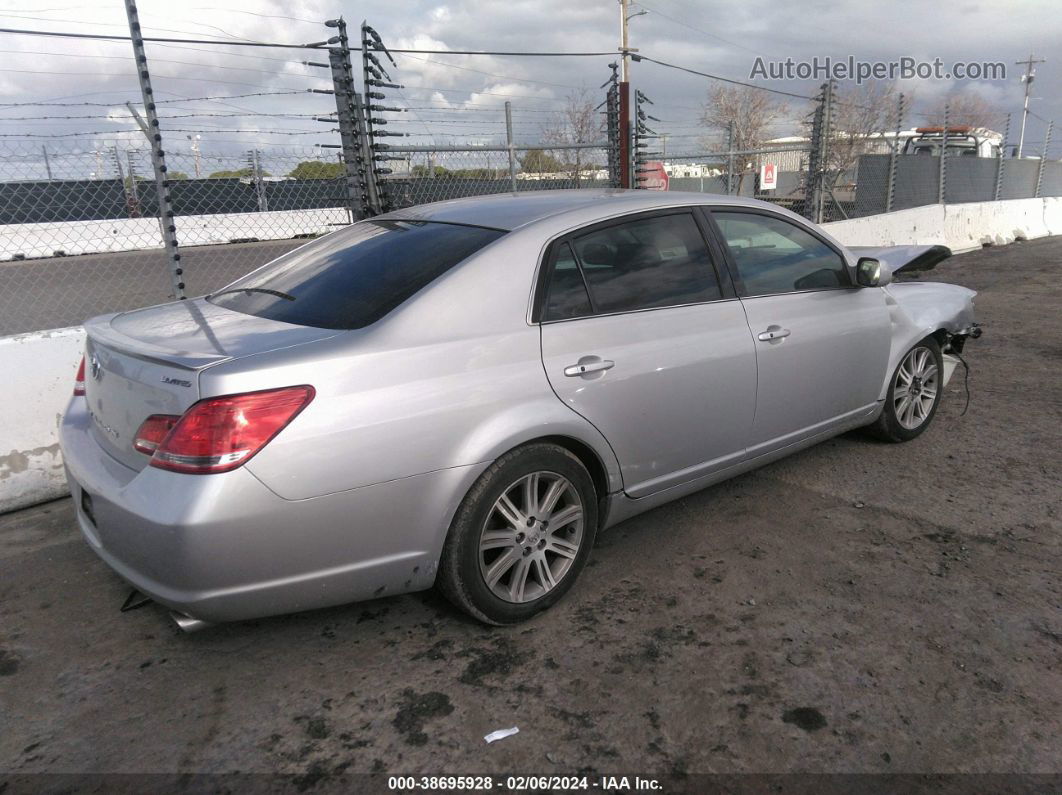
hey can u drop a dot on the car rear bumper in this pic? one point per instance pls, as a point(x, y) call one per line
point(224, 547)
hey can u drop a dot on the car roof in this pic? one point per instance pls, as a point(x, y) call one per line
point(511, 211)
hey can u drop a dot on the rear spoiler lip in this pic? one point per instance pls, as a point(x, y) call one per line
point(905, 259)
point(99, 329)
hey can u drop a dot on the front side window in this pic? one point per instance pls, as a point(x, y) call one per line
point(351, 278)
point(647, 263)
point(773, 255)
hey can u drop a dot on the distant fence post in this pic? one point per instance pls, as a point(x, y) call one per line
point(890, 194)
point(509, 143)
point(730, 158)
point(1002, 159)
point(1043, 158)
point(257, 179)
point(150, 128)
point(943, 176)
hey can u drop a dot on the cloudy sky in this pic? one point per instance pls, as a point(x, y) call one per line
point(80, 86)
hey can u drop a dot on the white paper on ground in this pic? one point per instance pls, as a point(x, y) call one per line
point(501, 734)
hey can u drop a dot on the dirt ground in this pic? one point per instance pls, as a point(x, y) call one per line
point(856, 608)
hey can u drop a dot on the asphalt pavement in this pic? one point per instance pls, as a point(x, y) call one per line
point(65, 291)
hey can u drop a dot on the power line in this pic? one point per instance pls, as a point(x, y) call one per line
point(165, 60)
point(177, 116)
point(123, 74)
point(492, 74)
point(263, 16)
point(315, 45)
point(481, 93)
point(489, 52)
point(130, 131)
point(698, 30)
point(48, 104)
point(113, 37)
point(113, 24)
point(721, 79)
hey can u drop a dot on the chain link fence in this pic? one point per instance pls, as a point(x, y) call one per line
point(428, 174)
point(80, 233)
point(739, 174)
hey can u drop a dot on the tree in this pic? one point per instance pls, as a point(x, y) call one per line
point(317, 169)
point(967, 108)
point(861, 115)
point(421, 170)
point(140, 178)
point(240, 173)
point(538, 161)
point(578, 123)
point(743, 113)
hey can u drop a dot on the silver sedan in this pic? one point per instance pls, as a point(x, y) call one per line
point(464, 394)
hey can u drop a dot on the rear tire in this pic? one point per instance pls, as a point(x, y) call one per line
point(521, 536)
point(914, 394)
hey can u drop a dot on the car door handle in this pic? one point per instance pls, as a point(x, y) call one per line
point(584, 368)
point(773, 333)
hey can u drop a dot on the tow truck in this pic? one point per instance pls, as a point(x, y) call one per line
point(961, 140)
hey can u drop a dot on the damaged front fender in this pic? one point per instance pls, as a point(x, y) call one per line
point(920, 309)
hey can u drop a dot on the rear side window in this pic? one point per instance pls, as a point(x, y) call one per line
point(646, 263)
point(567, 296)
point(352, 278)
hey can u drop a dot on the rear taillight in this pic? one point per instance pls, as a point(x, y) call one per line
point(79, 379)
point(152, 431)
point(223, 433)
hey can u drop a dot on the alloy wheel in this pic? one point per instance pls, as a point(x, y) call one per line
point(531, 537)
point(915, 388)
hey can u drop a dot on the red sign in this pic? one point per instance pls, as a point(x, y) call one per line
point(768, 176)
point(653, 177)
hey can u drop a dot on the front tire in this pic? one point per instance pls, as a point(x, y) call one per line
point(521, 536)
point(914, 394)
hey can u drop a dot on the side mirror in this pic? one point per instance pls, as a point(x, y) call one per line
point(872, 273)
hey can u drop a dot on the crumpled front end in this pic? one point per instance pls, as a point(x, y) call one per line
point(922, 309)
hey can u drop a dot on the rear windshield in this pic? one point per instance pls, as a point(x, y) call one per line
point(353, 277)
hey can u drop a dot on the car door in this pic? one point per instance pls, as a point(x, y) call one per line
point(822, 343)
point(641, 338)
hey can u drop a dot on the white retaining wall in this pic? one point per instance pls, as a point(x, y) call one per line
point(960, 227)
point(132, 234)
point(41, 366)
point(39, 375)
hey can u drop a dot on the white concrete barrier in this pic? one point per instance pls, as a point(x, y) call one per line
point(40, 370)
point(42, 365)
point(960, 227)
point(30, 241)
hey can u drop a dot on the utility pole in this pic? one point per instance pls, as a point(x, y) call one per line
point(625, 93)
point(1027, 78)
point(195, 153)
point(509, 143)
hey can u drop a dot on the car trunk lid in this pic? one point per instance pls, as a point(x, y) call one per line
point(148, 362)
